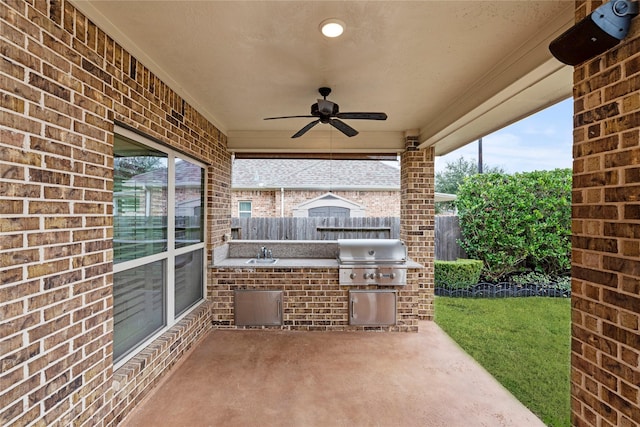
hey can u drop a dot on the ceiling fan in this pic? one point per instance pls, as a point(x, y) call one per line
point(329, 112)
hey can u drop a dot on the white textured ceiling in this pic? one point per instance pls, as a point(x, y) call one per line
point(448, 71)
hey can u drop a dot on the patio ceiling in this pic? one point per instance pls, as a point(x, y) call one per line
point(447, 71)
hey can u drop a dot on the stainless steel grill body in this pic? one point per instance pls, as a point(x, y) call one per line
point(372, 262)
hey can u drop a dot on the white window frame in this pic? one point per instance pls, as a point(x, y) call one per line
point(241, 211)
point(172, 252)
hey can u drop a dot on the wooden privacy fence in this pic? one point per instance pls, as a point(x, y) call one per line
point(447, 235)
point(447, 230)
point(315, 228)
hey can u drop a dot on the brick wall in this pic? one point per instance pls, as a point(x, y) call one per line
point(267, 203)
point(605, 345)
point(417, 219)
point(263, 203)
point(313, 299)
point(64, 83)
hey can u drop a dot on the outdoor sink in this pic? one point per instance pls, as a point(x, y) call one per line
point(262, 261)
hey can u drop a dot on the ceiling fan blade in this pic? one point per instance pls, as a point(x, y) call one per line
point(288, 117)
point(305, 129)
point(343, 127)
point(362, 116)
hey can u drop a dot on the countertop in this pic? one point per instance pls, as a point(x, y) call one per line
point(289, 263)
point(281, 263)
point(294, 254)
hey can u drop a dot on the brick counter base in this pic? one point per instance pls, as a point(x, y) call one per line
point(313, 299)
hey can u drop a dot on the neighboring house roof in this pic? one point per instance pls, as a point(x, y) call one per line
point(299, 174)
point(267, 174)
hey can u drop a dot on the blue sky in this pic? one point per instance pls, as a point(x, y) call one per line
point(542, 141)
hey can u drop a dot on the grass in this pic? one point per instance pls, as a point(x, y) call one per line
point(523, 342)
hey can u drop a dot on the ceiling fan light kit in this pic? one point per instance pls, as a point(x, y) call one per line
point(328, 112)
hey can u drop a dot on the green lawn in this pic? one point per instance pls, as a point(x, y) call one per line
point(523, 342)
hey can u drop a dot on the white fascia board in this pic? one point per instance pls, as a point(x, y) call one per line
point(315, 141)
point(523, 83)
point(548, 84)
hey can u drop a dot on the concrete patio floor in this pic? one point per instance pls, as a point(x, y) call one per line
point(283, 378)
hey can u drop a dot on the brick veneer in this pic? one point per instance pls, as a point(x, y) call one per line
point(417, 218)
point(312, 298)
point(64, 84)
point(267, 203)
point(605, 345)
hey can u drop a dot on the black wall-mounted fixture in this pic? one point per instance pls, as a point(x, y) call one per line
point(596, 33)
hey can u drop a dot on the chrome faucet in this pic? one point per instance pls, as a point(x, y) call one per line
point(265, 253)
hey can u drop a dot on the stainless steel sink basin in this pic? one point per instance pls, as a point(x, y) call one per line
point(262, 261)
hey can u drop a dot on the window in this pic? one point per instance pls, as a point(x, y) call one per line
point(244, 209)
point(158, 241)
point(140, 201)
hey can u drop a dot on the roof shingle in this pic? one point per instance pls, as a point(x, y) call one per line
point(304, 174)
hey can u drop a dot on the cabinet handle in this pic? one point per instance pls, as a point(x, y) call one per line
point(353, 302)
point(279, 308)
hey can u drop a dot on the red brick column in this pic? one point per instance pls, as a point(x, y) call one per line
point(605, 345)
point(417, 219)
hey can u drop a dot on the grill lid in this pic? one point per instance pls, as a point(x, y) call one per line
point(373, 251)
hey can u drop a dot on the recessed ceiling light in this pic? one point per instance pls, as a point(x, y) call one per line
point(332, 27)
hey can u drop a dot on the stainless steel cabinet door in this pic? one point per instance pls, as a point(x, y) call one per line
point(372, 308)
point(258, 307)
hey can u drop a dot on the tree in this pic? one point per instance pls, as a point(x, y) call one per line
point(450, 179)
point(128, 167)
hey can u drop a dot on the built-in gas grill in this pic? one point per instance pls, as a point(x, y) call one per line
point(372, 262)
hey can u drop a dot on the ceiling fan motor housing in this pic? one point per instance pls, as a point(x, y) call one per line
point(315, 110)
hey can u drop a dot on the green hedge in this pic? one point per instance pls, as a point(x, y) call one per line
point(462, 273)
point(517, 223)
